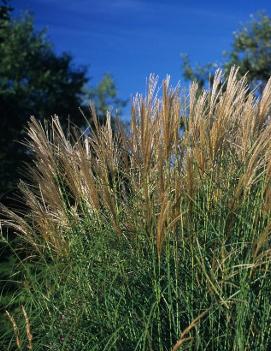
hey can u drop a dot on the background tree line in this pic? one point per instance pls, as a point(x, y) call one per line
point(250, 51)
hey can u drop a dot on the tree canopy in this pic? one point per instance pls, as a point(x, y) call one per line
point(251, 52)
point(34, 80)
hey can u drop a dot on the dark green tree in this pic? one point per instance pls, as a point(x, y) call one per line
point(34, 80)
point(251, 52)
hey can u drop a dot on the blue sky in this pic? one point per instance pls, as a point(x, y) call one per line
point(132, 38)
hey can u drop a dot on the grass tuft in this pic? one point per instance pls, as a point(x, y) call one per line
point(152, 238)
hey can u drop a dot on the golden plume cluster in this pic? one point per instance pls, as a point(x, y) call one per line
point(147, 177)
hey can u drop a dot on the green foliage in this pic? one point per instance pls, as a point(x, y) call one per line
point(105, 98)
point(5, 10)
point(251, 52)
point(115, 293)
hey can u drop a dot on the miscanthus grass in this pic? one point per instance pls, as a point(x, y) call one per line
point(153, 238)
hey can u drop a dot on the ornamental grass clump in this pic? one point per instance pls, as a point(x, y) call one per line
point(155, 237)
